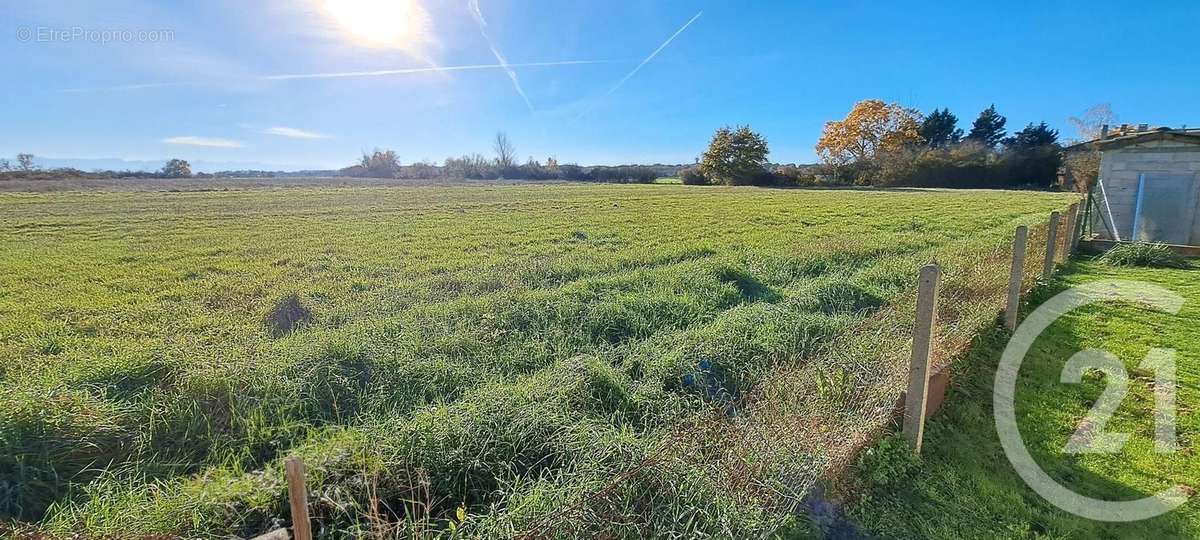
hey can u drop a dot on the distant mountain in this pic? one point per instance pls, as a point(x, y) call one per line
point(118, 164)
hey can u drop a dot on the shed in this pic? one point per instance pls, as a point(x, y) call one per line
point(1148, 189)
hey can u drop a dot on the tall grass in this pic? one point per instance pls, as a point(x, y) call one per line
point(690, 364)
point(1151, 255)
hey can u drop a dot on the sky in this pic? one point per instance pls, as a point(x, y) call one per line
point(313, 83)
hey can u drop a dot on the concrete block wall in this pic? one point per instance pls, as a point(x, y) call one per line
point(1120, 167)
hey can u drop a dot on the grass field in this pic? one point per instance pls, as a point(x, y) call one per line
point(479, 360)
point(966, 488)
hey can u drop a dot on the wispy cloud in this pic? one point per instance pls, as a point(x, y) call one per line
point(473, 5)
point(351, 74)
point(210, 142)
point(294, 133)
point(647, 60)
point(122, 87)
point(431, 69)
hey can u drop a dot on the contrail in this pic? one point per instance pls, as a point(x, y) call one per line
point(349, 74)
point(473, 5)
point(646, 60)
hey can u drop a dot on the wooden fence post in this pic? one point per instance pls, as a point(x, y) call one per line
point(917, 397)
point(1051, 245)
point(1016, 278)
point(298, 498)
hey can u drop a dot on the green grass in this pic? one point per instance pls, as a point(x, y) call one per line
point(965, 487)
point(569, 359)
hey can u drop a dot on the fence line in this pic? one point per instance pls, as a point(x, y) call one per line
point(784, 492)
point(917, 396)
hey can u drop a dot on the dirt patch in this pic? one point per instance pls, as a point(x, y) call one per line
point(288, 314)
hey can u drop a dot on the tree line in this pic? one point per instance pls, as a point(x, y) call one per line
point(877, 143)
point(26, 169)
point(386, 164)
point(886, 144)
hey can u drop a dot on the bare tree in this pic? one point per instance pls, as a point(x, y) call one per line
point(25, 162)
point(505, 153)
point(1092, 121)
point(1082, 165)
point(5, 165)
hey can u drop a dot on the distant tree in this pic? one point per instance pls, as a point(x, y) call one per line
point(692, 176)
point(1082, 168)
point(506, 155)
point(1033, 156)
point(420, 169)
point(735, 157)
point(940, 129)
point(552, 165)
point(1082, 164)
point(177, 168)
point(1090, 124)
point(25, 162)
point(873, 127)
point(1032, 137)
point(988, 129)
point(5, 166)
point(380, 164)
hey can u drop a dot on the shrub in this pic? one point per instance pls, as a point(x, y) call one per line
point(635, 174)
point(791, 175)
point(692, 176)
point(1151, 255)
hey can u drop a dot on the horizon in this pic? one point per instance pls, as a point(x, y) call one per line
point(311, 85)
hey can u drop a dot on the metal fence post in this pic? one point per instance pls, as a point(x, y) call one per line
point(1016, 277)
point(917, 397)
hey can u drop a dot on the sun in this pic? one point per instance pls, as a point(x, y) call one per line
point(384, 23)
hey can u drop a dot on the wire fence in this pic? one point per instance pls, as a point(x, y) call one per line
point(810, 420)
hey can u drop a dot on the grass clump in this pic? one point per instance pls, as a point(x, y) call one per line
point(1145, 254)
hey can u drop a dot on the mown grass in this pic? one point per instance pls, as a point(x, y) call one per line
point(964, 487)
point(556, 359)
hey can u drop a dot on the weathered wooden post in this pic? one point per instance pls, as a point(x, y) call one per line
point(1016, 278)
point(297, 498)
point(1051, 245)
point(917, 397)
point(1072, 231)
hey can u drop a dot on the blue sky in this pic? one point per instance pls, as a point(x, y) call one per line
point(211, 89)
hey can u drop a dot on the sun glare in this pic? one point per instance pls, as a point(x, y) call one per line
point(388, 23)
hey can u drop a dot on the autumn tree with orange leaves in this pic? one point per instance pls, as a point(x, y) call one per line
point(872, 127)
